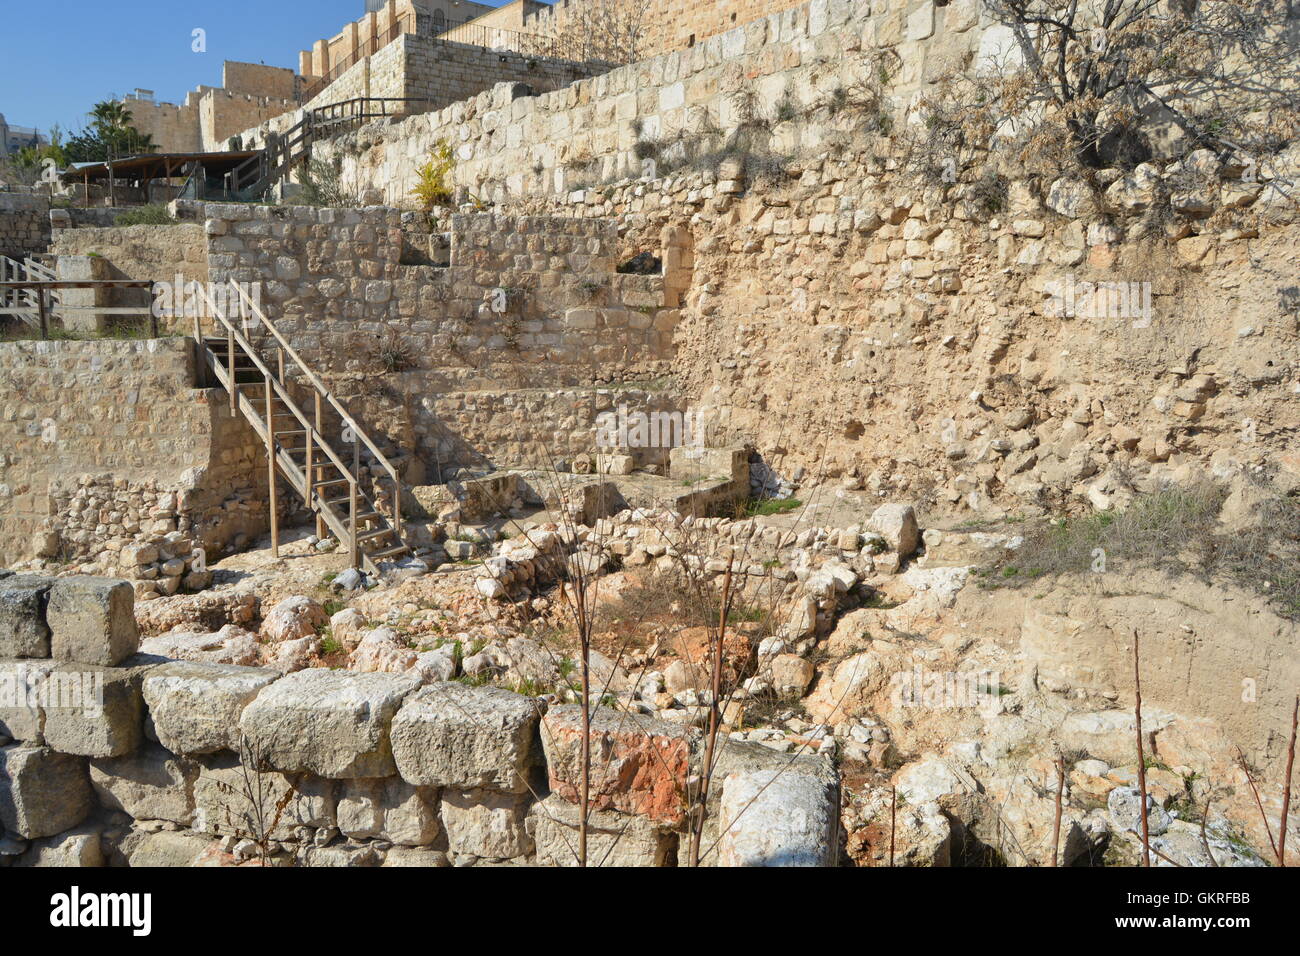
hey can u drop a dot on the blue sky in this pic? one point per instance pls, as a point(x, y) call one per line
point(61, 56)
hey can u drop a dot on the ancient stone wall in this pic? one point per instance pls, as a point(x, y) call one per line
point(603, 129)
point(158, 253)
point(662, 25)
point(422, 67)
point(107, 444)
point(144, 754)
point(24, 224)
point(525, 303)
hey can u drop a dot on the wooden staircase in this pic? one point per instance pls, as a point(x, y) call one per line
point(358, 501)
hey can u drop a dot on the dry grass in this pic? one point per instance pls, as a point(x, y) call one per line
point(1177, 530)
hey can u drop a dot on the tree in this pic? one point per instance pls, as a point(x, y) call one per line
point(108, 136)
point(1100, 78)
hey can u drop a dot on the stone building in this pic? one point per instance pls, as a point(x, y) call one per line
point(14, 138)
point(250, 93)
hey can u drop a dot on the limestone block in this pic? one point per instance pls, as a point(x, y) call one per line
point(150, 784)
point(92, 620)
point(486, 823)
point(332, 723)
point(74, 848)
point(388, 809)
point(94, 711)
point(195, 706)
point(229, 800)
point(21, 683)
point(42, 792)
point(613, 839)
point(896, 523)
point(450, 735)
point(23, 630)
point(776, 818)
point(644, 763)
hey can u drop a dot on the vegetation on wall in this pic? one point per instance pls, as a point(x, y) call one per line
point(433, 185)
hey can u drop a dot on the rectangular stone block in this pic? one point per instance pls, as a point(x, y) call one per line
point(388, 809)
point(150, 784)
point(642, 766)
point(613, 839)
point(195, 706)
point(22, 716)
point(94, 711)
point(92, 620)
point(42, 792)
point(230, 800)
point(331, 723)
point(23, 628)
point(486, 823)
point(450, 735)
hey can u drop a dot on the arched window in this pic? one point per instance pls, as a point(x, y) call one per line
point(439, 22)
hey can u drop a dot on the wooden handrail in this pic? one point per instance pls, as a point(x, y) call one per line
point(319, 385)
point(233, 334)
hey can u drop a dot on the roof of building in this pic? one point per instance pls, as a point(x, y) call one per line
point(162, 165)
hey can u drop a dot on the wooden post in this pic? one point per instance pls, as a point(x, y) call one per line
point(153, 315)
point(320, 519)
point(230, 364)
point(200, 364)
point(397, 507)
point(40, 308)
point(356, 479)
point(270, 472)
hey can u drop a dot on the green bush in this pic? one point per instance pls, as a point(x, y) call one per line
point(155, 214)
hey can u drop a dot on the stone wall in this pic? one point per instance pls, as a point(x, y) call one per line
point(415, 66)
point(598, 130)
point(664, 25)
point(158, 253)
point(112, 757)
point(106, 444)
point(24, 224)
point(389, 338)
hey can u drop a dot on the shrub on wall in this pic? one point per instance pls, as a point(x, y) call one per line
point(433, 179)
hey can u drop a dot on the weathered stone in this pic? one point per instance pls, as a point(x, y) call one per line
point(75, 848)
point(641, 764)
point(486, 823)
point(150, 784)
point(777, 818)
point(896, 523)
point(293, 618)
point(613, 839)
point(450, 735)
point(23, 630)
point(415, 856)
point(388, 809)
point(196, 706)
point(227, 800)
point(22, 683)
point(332, 723)
point(92, 620)
point(42, 792)
point(168, 848)
point(94, 711)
